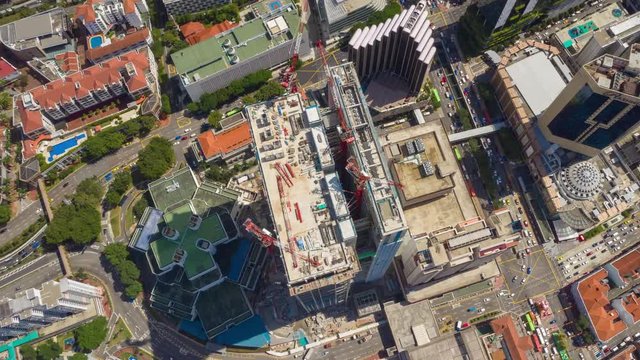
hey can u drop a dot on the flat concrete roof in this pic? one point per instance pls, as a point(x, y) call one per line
point(300, 207)
point(437, 212)
point(577, 33)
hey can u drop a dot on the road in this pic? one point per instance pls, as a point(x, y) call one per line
point(125, 155)
point(30, 275)
point(351, 349)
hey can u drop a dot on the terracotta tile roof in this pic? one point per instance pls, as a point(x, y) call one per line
point(118, 44)
point(628, 265)
point(517, 346)
point(31, 120)
point(86, 12)
point(631, 303)
point(30, 147)
point(6, 68)
point(68, 62)
point(226, 141)
point(129, 6)
point(80, 84)
point(191, 28)
point(626, 354)
point(604, 318)
point(195, 32)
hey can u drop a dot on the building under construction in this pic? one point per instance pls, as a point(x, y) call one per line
point(312, 225)
point(375, 193)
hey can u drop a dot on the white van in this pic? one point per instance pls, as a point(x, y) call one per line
point(458, 325)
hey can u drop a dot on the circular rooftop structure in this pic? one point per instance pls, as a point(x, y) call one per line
point(581, 181)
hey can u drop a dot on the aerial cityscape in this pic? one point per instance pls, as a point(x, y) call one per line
point(325, 179)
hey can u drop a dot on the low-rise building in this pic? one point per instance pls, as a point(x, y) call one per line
point(34, 308)
point(99, 16)
point(610, 312)
point(45, 109)
point(8, 72)
point(514, 345)
point(195, 32)
point(42, 35)
point(117, 46)
point(231, 143)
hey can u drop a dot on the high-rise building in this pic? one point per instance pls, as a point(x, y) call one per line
point(35, 308)
point(380, 198)
point(99, 16)
point(308, 210)
point(402, 45)
point(597, 107)
point(340, 15)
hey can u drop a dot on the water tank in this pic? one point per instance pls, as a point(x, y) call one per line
point(235, 59)
point(226, 43)
point(231, 51)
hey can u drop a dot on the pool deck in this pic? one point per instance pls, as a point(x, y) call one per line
point(43, 147)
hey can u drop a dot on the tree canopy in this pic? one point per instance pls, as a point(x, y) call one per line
point(5, 214)
point(214, 119)
point(156, 158)
point(28, 352)
point(119, 186)
point(89, 336)
point(118, 256)
point(215, 15)
point(111, 139)
point(49, 350)
point(78, 356)
point(237, 88)
point(5, 101)
point(77, 222)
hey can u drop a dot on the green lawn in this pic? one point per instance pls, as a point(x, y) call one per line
point(120, 333)
point(115, 221)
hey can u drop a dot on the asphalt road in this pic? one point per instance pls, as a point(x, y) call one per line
point(351, 350)
point(30, 275)
point(542, 280)
point(125, 155)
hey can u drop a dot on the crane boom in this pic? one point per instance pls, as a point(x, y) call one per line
point(266, 239)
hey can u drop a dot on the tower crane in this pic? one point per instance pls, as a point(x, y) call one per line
point(267, 240)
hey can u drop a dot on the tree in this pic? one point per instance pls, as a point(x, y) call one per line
point(78, 356)
point(119, 186)
point(116, 253)
point(89, 191)
point(76, 223)
point(140, 206)
point(166, 104)
point(28, 352)
point(132, 290)
point(156, 158)
point(214, 119)
point(23, 81)
point(50, 350)
point(89, 336)
point(562, 341)
point(5, 101)
point(5, 214)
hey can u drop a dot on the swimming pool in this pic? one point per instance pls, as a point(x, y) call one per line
point(95, 41)
point(63, 147)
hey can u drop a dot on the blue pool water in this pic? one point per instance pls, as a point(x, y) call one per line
point(95, 42)
point(63, 147)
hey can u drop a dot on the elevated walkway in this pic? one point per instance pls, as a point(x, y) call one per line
point(477, 132)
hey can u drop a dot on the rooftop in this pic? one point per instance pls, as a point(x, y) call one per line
point(130, 39)
point(337, 10)
point(366, 149)
point(604, 318)
point(307, 206)
point(195, 32)
point(575, 35)
point(516, 344)
point(537, 79)
point(238, 44)
point(6, 68)
point(429, 201)
point(215, 143)
point(44, 29)
point(617, 74)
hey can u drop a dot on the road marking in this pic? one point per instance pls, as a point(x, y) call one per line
point(182, 122)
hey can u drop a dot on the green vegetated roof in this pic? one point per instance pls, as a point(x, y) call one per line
point(172, 189)
point(248, 40)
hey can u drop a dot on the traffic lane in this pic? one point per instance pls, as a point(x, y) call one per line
point(541, 280)
point(31, 275)
point(351, 349)
point(464, 310)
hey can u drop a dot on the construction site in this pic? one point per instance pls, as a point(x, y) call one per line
point(312, 225)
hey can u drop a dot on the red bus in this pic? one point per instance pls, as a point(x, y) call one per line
point(536, 343)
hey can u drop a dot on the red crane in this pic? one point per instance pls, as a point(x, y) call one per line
point(289, 77)
point(361, 178)
point(267, 240)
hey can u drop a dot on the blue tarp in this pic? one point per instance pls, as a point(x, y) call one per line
point(251, 333)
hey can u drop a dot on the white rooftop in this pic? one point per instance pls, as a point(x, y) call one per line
point(538, 81)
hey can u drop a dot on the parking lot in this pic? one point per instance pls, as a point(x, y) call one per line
point(530, 276)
